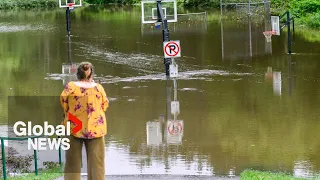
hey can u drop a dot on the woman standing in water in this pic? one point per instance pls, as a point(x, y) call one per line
point(87, 101)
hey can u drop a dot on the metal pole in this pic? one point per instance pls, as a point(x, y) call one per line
point(220, 9)
point(222, 40)
point(60, 156)
point(237, 11)
point(249, 13)
point(175, 89)
point(35, 160)
point(289, 33)
point(290, 75)
point(68, 20)
point(165, 33)
point(175, 97)
point(4, 168)
point(69, 50)
point(250, 37)
point(168, 104)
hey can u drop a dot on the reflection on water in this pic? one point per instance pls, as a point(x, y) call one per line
point(275, 78)
point(69, 71)
point(11, 27)
point(277, 83)
point(225, 115)
point(170, 130)
point(154, 133)
point(303, 169)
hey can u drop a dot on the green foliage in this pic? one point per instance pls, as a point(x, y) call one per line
point(193, 3)
point(47, 174)
point(305, 11)
point(51, 165)
point(302, 8)
point(251, 174)
point(202, 3)
point(112, 1)
point(280, 3)
point(27, 4)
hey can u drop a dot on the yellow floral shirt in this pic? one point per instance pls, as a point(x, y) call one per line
point(89, 106)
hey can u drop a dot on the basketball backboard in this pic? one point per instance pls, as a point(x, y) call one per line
point(154, 13)
point(70, 3)
point(149, 11)
point(275, 24)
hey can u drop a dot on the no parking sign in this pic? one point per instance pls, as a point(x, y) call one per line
point(171, 49)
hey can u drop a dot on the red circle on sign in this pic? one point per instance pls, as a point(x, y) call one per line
point(172, 131)
point(171, 49)
point(73, 68)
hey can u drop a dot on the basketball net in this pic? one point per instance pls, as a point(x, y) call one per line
point(268, 35)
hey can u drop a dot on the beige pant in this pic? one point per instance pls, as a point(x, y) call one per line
point(95, 159)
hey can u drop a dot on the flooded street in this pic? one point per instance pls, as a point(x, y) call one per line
point(244, 103)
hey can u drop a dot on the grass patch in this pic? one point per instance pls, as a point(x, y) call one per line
point(46, 174)
point(252, 174)
point(308, 34)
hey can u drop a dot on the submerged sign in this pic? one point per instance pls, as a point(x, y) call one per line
point(174, 131)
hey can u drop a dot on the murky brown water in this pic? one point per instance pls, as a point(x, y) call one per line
point(235, 114)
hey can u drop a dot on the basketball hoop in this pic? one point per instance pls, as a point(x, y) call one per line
point(268, 35)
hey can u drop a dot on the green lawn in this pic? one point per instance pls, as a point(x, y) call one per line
point(252, 175)
point(47, 174)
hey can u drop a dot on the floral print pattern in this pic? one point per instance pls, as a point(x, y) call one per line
point(65, 100)
point(88, 134)
point(99, 121)
point(97, 96)
point(89, 106)
point(83, 90)
point(76, 98)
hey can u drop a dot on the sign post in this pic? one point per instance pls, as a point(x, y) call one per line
point(172, 49)
point(275, 22)
point(69, 5)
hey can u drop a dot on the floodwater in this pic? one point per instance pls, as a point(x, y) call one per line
point(243, 102)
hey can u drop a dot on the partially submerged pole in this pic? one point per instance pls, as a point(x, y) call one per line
point(68, 21)
point(165, 34)
point(289, 33)
point(69, 50)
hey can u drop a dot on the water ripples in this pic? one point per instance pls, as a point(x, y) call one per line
point(11, 27)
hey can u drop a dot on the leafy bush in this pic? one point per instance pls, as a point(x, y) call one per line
point(302, 8)
point(15, 163)
point(11, 4)
point(112, 1)
point(194, 3)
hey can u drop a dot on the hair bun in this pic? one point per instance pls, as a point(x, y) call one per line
point(86, 67)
